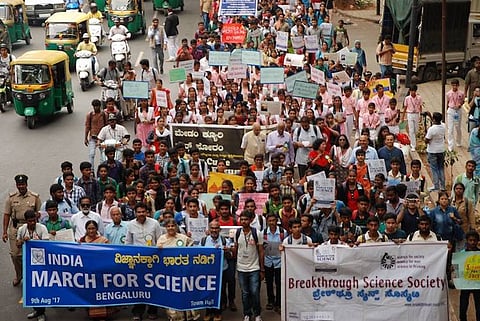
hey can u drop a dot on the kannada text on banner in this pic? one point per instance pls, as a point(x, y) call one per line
point(214, 142)
point(69, 274)
point(371, 282)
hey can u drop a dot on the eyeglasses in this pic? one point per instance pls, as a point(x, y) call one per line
point(85, 205)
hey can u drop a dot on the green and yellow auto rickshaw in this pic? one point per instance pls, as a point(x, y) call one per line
point(130, 13)
point(14, 17)
point(64, 30)
point(165, 4)
point(41, 85)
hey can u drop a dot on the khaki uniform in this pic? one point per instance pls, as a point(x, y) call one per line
point(15, 207)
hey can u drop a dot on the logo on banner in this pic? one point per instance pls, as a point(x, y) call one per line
point(388, 262)
point(37, 256)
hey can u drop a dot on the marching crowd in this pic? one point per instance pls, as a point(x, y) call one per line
point(145, 195)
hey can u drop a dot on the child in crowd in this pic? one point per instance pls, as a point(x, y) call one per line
point(394, 177)
point(392, 117)
point(392, 231)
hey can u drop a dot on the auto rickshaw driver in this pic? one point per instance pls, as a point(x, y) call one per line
point(89, 46)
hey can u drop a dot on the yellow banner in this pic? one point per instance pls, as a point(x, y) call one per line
point(386, 87)
point(215, 181)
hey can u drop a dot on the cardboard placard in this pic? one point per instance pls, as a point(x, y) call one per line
point(272, 75)
point(218, 58)
point(135, 89)
point(305, 89)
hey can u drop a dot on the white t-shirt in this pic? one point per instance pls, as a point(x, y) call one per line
point(247, 252)
point(290, 240)
point(436, 135)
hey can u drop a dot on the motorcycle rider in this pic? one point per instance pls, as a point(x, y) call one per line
point(89, 46)
point(119, 29)
point(94, 13)
point(109, 73)
point(115, 132)
point(5, 59)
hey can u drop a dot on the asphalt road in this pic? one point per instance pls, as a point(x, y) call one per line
point(39, 152)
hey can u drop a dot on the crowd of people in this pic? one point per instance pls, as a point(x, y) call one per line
point(145, 195)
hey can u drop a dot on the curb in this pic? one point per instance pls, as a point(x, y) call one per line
point(351, 15)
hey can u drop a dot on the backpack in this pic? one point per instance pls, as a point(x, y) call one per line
point(282, 233)
point(381, 48)
point(254, 234)
point(304, 239)
point(300, 128)
point(222, 238)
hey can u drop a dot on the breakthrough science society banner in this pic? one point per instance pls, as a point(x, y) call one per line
point(373, 282)
point(71, 275)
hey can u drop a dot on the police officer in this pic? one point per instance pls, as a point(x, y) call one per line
point(15, 206)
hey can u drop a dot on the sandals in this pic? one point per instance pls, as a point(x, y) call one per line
point(16, 282)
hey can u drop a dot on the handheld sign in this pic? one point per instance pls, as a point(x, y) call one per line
point(218, 58)
point(251, 57)
point(135, 89)
point(305, 89)
point(177, 75)
point(272, 75)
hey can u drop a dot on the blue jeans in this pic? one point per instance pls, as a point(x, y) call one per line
point(206, 19)
point(385, 68)
point(250, 286)
point(437, 165)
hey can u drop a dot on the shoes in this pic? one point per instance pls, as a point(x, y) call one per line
point(432, 189)
point(246, 318)
point(161, 71)
point(269, 306)
point(41, 317)
point(233, 307)
point(33, 314)
point(171, 59)
point(258, 318)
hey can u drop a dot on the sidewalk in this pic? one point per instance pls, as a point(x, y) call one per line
point(367, 15)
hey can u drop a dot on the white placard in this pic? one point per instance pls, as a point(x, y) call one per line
point(297, 42)
point(348, 58)
point(63, 235)
point(161, 98)
point(325, 254)
point(281, 41)
point(376, 166)
point(412, 187)
point(340, 77)
point(293, 60)
point(319, 175)
point(198, 75)
point(311, 43)
point(334, 89)
point(259, 177)
point(317, 75)
point(197, 226)
point(187, 65)
point(324, 191)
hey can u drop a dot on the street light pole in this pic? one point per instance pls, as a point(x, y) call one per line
point(444, 62)
point(411, 43)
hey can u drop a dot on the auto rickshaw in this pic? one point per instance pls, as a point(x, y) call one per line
point(14, 16)
point(130, 13)
point(41, 85)
point(165, 4)
point(64, 30)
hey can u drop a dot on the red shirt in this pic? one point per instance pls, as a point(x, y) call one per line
point(230, 222)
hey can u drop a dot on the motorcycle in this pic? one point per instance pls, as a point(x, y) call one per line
point(97, 35)
point(120, 50)
point(118, 145)
point(84, 67)
point(5, 91)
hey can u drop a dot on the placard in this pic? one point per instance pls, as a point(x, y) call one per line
point(251, 57)
point(238, 8)
point(187, 65)
point(259, 198)
point(466, 275)
point(376, 166)
point(293, 60)
point(176, 75)
point(334, 89)
point(297, 42)
point(290, 81)
point(208, 199)
point(317, 75)
point(305, 89)
point(319, 175)
point(198, 75)
point(272, 75)
point(233, 33)
point(218, 58)
point(324, 191)
point(348, 58)
point(135, 89)
point(412, 187)
point(340, 77)
point(259, 178)
point(311, 43)
point(281, 41)
point(271, 107)
point(63, 235)
point(215, 181)
point(161, 98)
point(197, 227)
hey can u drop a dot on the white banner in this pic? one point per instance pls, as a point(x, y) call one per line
point(374, 282)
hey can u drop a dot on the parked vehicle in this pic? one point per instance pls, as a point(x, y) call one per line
point(14, 17)
point(463, 36)
point(41, 85)
point(39, 10)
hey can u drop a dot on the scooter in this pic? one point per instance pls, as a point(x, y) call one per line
point(84, 66)
point(110, 89)
point(119, 147)
point(97, 36)
point(120, 50)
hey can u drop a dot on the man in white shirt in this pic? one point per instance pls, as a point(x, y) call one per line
point(79, 219)
point(424, 234)
point(115, 132)
point(280, 141)
point(435, 139)
point(253, 143)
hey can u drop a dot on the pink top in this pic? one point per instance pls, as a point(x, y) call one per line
point(413, 104)
point(391, 115)
point(455, 99)
point(381, 104)
point(371, 121)
point(326, 98)
point(362, 107)
point(348, 104)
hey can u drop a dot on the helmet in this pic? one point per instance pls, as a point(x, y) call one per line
point(3, 45)
point(85, 36)
point(93, 5)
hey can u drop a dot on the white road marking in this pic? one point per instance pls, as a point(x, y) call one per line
point(140, 56)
